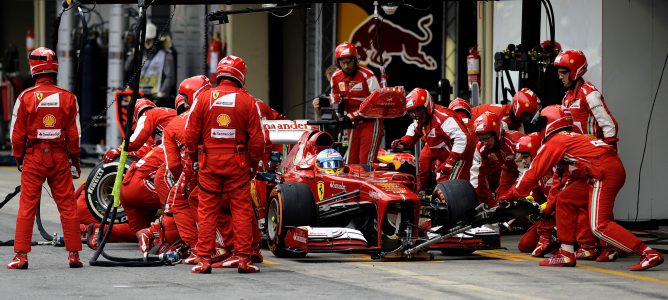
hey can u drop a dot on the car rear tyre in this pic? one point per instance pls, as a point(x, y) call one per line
point(99, 185)
point(292, 205)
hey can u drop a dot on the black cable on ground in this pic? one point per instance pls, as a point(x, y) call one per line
point(644, 149)
point(11, 195)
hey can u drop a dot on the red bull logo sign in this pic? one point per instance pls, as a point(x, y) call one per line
point(397, 41)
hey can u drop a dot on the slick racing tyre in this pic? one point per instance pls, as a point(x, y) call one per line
point(291, 206)
point(99, 185)
point(454, 199)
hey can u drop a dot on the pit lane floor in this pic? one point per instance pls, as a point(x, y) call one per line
point(500, 274)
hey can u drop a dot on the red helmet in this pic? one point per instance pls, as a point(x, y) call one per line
point(43, 61)
point(529, 143)
point(345, 49)
point(548, 43)
point(142, 105)
point(180, 101)
point(232, 67)
point(574, 60)
point(419, 98)
point(189, 87)
point(525, 101)
point(488, 122)
point(460, 104)
point(558, 118)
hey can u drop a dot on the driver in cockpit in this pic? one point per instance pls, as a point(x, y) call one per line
point(329, 161)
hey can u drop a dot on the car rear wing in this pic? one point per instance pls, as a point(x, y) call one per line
point(287, 131)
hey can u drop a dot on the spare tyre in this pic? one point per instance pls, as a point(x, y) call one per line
point(292, 205)
point(99, 186)
point(452, 201)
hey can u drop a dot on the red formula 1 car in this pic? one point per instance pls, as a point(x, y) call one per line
point(363, 210)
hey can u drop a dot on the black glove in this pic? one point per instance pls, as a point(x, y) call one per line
point(346, 122)
point(19, 163)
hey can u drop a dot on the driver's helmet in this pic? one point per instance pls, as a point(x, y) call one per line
point(329, 161)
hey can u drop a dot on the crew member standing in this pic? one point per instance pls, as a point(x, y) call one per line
point(45, 134)
point(351, 84)
point(592, 117)
point(225, 119)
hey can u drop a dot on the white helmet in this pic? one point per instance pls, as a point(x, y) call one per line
point(151, 31)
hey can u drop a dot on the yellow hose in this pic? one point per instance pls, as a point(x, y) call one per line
point(116, 192)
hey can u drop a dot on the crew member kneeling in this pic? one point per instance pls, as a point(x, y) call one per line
point(597, 163)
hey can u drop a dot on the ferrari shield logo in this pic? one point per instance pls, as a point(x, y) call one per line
point(39, 96)
point(321, 190)
point(215, 95)
point(342, 86)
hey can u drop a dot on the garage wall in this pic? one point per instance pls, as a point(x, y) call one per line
point(578, 25)
point(635, 42)
point(247, 37)
point(626, 43)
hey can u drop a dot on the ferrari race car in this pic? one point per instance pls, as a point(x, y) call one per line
point(363, 210)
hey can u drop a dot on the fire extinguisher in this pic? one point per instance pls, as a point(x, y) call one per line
point(214, 54)
point(30, 40)
point(473, 71)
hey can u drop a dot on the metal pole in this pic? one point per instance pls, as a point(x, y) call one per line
point(115, 71)
point(64, 51)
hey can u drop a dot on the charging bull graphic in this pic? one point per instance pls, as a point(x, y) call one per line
point(396, 41)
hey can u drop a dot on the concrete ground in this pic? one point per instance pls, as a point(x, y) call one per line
point(499, 274)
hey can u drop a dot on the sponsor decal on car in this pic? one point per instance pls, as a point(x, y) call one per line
point(375, 195)
point(286, 124)
point(337, 186)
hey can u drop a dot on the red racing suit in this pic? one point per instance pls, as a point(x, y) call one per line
point(268, 113)
point(590, 114)
point(151, 124)
point(448, 141)
point(226, 121)
point(501, 110)
point(598, 163)
point(546, 189)
point(174, 141)
point(45, 133)
point(121, 233)
point(139, 197)
point(494, 171)
point(364, 138)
